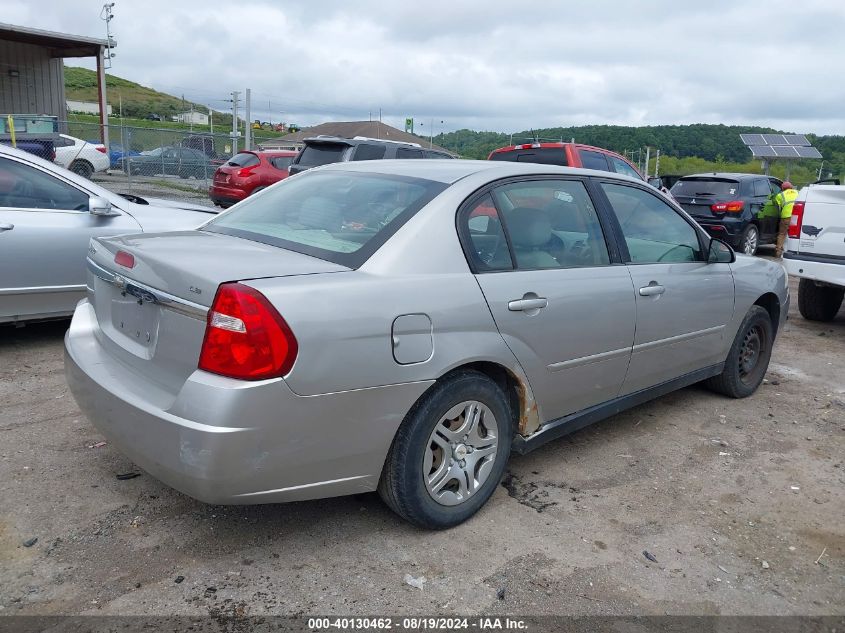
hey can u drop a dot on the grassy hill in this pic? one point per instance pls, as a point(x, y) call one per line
point(138, 101)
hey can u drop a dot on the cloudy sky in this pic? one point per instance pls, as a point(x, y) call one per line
point(486, 65)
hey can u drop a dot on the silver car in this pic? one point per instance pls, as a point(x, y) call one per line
point(48, 215)
point(402, 326)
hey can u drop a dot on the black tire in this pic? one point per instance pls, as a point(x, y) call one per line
point(750, 240)
point(402, 485)
point(817, 302)
point(746, 366)
point(82, 168)
point(183, 174)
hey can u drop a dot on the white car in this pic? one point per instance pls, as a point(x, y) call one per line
point(815, 250)
point(82, 157)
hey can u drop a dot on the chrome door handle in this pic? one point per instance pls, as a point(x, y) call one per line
point(652, 290)
point(527, 304)
point(6, 227)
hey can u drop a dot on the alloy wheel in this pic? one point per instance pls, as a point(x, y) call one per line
point(749, 244)
point(460, 453)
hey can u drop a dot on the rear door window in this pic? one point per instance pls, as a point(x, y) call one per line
point(281, 162)
point(321, 154)
point(761, 187)
point(368, 151)
point(408, 152)
point(623, 167)
point(593, 160)
point(433, 154)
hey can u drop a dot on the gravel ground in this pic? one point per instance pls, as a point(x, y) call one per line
point(739, 504)
point(168, 187)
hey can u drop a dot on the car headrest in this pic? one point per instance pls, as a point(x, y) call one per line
point(321, 213)
point(564, 216)
point(529, 227)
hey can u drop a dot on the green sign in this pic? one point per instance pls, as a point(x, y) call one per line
point(409, 125)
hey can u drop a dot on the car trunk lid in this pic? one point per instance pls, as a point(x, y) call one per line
point(152, 310)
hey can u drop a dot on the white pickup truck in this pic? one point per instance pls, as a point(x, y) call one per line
point(815, 250)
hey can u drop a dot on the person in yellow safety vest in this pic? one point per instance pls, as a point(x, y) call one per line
point(784, 201)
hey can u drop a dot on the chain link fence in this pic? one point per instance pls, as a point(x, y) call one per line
point(149, 158)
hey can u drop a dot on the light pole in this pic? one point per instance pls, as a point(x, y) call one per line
point(431, 132)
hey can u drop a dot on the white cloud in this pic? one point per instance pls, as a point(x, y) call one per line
point(487, 65)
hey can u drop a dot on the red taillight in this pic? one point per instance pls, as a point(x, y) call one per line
point(101, 149)
point(245, 337)
point(733, 206)
point(796, 220)
point(246, 171)
point(122, 258)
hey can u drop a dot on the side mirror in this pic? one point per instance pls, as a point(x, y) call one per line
point(720, 253)
point(100, 206)
point(655, 182)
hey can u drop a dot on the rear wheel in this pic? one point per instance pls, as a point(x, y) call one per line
point(449, 453)
point(818, 302)
point(750, 240)
point(82, 167)
point(748, 358)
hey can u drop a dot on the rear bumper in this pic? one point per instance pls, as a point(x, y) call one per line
point(226, 196)
point(831, 271)
point(730, 232)
point(227, 441)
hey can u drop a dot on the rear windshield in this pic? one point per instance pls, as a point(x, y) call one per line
point(244, 159)
point(705, 187)
point(321, 154)
point(341, 217)
point(542, 155)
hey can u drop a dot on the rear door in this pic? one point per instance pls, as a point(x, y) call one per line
point(45, 228)
point(683, 302)
point(761, 189)
point(560, 297)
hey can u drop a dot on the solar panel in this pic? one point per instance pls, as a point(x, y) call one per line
point(762, 151)
point(785, 151)
point(774, 139)
point(797, 139)
point(752, 139)
point(808, 152)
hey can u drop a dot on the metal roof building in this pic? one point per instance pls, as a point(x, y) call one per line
point(32, 77)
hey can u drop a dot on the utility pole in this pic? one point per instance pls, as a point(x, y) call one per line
point(248, 129)
point(647, 157)
point(210, 121)
point(235, 133)
point(657, 164)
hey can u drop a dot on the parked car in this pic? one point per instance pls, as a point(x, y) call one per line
point(117, 153)
point(815, 250)
point(81, 157)
point(246, 173)
point(169, 161)
point(371, 326)
point(567, 154)
point(323, 150)
point(727, 205)
point(47, 217)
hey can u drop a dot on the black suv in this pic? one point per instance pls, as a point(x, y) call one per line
point(322, 150)
point(727, 206)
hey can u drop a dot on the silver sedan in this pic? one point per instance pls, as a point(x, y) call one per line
point(47, 217)
point(402, 326)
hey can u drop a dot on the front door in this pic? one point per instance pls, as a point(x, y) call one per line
point(45, 228)
point(683, 302)
point(563, 307)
